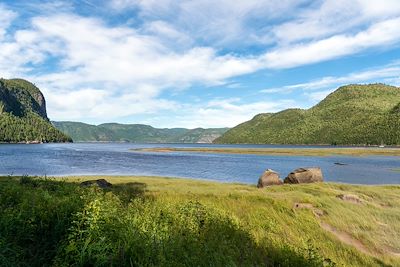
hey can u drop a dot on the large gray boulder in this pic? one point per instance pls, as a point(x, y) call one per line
point(304, 175)
point(268, 178)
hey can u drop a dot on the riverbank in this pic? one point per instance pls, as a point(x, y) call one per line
point(356, 151)
point(164, 221)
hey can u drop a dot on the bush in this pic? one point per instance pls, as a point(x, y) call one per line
point(152, 233)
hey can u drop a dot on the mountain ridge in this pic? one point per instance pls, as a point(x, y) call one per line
point(116, 132)
point(351, 115)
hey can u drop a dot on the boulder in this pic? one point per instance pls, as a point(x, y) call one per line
point(304, 175)
point(102, 183)
point(269, 177)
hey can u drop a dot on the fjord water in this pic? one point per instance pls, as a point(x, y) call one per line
point(117, 159)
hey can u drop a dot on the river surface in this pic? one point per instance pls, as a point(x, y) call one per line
point(117, 159)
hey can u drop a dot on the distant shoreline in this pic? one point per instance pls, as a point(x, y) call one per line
point(351, 151)
point(215, 144)
point(33, 143)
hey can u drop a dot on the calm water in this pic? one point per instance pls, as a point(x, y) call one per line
point(116, 159)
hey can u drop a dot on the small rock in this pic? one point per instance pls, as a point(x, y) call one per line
point(304, 175)
point(340, 164)
point(303, 206)
point(350, 198)
point(268, 178)
point(102, 183)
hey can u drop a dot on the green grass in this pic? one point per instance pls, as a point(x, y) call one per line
point(285, 151)
point(153, 221)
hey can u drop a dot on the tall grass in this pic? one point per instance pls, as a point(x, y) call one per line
point(55, 223)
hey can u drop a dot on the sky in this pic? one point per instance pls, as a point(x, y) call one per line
point(195, 63)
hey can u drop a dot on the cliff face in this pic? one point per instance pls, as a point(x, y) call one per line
point(23, 116)
point(20, 97)
point(8, 102)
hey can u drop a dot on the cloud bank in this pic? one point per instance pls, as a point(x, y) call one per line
point(93, 67)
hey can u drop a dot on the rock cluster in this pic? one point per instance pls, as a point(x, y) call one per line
point(298, 176)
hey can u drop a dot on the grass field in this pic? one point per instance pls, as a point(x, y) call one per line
point(154, 221)
point(356, 151)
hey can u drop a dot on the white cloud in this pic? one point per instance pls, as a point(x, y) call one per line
point(262, 22)
point(219, 113)
point(6, 17)
point(123, 56)
point(108, 73)
point(219, 23)
point(124, 4)
point(380, 8)
point(171, 36)
point(390, 73)
point(380, 34)
point(329, 18)
point(94, 104)
point(90, 69)
point(334, 17)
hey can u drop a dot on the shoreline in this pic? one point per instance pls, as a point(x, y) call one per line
point(123, 179)
point(355, 151)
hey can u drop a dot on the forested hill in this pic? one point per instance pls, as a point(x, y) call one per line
point(352, 115)
point(23, 116)
point(139, 133)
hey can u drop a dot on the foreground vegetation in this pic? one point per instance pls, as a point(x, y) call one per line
point(352, 115)
point(23, 116)
point(148, 221)
point(356, 151)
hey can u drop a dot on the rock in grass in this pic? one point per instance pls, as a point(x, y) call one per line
point(304, 175)
point(350, 198)
point(268, 178)
point(102, 183)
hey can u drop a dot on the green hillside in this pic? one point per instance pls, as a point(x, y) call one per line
point(138, 133)
point(23, 116)
point(353, 114)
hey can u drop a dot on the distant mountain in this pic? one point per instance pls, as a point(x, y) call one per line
point(353, 114)
point(138, 133)
point(23, 116)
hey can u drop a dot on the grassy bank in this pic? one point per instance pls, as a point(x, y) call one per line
point(150, 221)
point(356, 151)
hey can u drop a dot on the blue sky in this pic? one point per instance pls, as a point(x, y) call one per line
point(198, 63)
